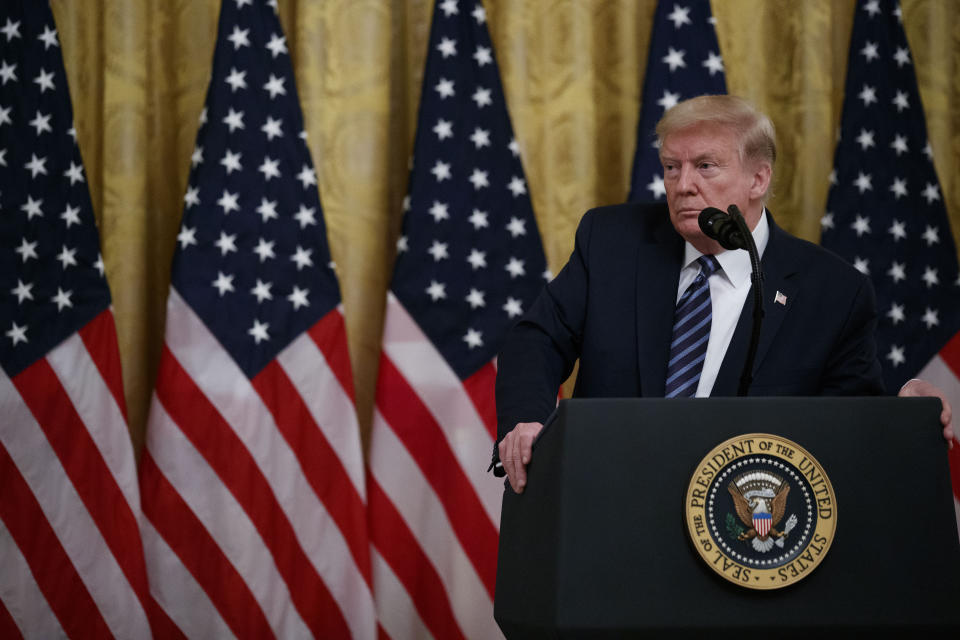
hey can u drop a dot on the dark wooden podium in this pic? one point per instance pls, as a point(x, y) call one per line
point(597, 547)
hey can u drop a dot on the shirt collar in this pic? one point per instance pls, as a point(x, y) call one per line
point(735, 264)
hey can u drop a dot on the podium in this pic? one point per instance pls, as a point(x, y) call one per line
point(597, 544)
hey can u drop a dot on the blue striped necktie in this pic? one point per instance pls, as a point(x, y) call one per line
point(691, 331)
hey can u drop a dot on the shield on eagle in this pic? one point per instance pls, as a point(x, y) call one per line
point(762, 523)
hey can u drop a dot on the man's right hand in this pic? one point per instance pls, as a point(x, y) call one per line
point(516, 448)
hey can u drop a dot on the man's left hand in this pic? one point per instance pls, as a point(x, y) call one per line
point(921, 388)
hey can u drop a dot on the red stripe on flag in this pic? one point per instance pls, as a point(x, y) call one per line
point(198, 551)
point(214, 438)
point(950, 354)
point(52, 568)
point(99, 336)
point(330, 336)
point(381, 633)
point(96, 486)
point(322, 467)
point(8, 627)
point(400, 549)
point(479, 388)
point(424, 439)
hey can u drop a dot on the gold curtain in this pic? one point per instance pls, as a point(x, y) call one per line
point(572, 71)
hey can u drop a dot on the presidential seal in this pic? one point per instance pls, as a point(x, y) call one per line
point(761, 511)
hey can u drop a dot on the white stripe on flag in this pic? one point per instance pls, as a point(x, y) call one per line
point(66, 514)
point(22, 596)
point(229, 390)
point(401, 479)
point(225, 520)
point(396, 610)
point(96, 406)
point(177, 593)
point(441, 391)
point(937, 372)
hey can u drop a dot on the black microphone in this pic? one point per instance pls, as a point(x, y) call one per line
point(722, 227)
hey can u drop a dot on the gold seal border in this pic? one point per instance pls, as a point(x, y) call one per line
point(824, 501)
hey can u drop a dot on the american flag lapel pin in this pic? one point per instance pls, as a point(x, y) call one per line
point(780, 299)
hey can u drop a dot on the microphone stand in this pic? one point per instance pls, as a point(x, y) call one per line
point(756, 278)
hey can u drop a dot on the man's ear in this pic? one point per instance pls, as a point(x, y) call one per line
point(761, 181)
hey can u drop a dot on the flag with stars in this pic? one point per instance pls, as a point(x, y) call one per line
point(70, 548)
point(885, 213)
point(684, 62)
point(252, 477)
point(469, 260)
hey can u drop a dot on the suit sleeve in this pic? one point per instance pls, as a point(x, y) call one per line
point(539, 352)
point(853, 368)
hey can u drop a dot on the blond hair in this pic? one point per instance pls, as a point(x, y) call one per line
point(756, 137)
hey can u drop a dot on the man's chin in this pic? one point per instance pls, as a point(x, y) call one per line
point(689, 228)
point(687, 225)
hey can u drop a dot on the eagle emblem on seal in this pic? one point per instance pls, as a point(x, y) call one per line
point(760, 500)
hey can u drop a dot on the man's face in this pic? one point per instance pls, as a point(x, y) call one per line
point(701, 168)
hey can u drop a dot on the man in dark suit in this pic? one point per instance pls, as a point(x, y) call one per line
point(652, 307)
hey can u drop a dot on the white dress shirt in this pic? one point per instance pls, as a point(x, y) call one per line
point(729, 287)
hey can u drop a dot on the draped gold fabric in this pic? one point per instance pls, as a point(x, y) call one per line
point(572, 72)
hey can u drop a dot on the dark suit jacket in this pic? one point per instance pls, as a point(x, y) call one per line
point(612, 307)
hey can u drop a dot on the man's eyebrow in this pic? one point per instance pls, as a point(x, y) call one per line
point(706, 155)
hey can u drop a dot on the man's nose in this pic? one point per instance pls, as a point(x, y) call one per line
point(686, 180)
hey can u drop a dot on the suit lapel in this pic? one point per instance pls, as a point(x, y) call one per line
point(658, 274)
point(779, 266)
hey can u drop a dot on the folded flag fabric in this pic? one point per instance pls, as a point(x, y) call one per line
point(469, 261)
point(885, 213)
point(70, 548)
point(252, 477)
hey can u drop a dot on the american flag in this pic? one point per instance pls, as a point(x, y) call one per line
point(70, 546)
point(885, 213)
point(684, 62)
point(252, 478)
point(469, 260)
